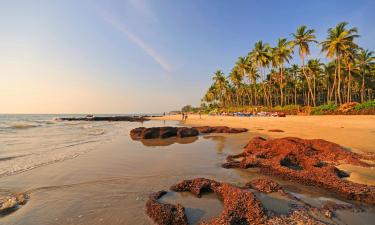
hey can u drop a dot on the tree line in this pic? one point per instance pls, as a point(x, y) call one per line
point(265, 77)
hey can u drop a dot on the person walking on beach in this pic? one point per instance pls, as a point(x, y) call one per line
point(183, 116)
point(186, 116)
point(200, 114)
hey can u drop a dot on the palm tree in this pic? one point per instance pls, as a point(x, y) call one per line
point(261, 56)
point(294, 70)
point(220, 83)
point(365, 61)
point(339, 41)
point(282, 53)
point(302, 38)
point(236, 79)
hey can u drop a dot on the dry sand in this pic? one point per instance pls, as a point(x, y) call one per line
point(356, 133)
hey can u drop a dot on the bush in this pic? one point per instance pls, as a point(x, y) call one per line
point(323, 109)
point(365, 105)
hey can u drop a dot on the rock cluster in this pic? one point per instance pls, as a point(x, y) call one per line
point(310, 162)
point(241, 206)
point(179, 132)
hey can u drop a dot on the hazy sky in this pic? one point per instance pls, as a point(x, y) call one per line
point(131, 56)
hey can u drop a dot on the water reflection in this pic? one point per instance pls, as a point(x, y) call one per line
point(167, 141)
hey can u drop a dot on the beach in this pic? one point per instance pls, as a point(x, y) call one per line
point(110, 182)
point(354, 132)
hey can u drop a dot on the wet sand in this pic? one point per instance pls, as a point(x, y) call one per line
point(110, 184)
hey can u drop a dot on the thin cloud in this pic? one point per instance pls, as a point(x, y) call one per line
point(138, 41)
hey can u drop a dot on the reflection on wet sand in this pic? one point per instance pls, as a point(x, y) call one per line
point(167, 141)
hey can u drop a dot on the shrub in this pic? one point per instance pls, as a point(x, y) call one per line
point(323, 109)
point(366, 105)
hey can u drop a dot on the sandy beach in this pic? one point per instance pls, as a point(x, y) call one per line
point(354, 132)
point(357, 133)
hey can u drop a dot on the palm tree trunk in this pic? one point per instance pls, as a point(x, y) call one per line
point(339, 79)
point(349, 97)
point(281, 86)
point(363, 87)
point(307, 79)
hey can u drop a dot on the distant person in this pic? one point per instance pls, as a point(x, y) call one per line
point(200, 114)
point(186, 116)
point(183, 116)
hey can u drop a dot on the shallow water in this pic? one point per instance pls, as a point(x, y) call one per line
point(110, 182)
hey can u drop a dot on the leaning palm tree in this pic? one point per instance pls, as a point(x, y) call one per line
point(338, 42)
point(261, 56)
point(282, 53)
point(365, 61)
point(302, 38)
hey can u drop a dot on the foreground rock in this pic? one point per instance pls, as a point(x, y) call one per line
point(10, 202)
point(241, 206)
point(310, 162)
point(163, 213)
point(179, 132)
point(106, 118)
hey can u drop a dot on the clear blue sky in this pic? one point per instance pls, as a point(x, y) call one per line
point(141, 55)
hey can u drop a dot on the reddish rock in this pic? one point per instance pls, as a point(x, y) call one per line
point(241, 206)
point(310, 162)
point(264, 185)
point(164, 213)
point(281, 114)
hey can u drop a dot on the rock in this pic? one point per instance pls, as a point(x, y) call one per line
point(241, 206)
point(10, 202)
point(164, 213)
point(187, 132)
point(180, 132)
point(264, 185)
point(310, 162)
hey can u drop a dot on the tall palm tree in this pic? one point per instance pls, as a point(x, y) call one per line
point(236, 79)
point(365, 61)
point(302, 39)
point(339, 40)
point(220, 83)
point(282, 53)
point(294, 71)
point(261, 55)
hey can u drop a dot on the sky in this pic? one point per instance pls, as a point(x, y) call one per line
point(144, 56)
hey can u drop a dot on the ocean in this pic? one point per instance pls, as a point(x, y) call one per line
point(30, 141)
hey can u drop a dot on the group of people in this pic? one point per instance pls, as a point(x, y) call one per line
point(184, 116)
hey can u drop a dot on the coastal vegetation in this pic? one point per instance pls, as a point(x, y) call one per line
point(266, 78)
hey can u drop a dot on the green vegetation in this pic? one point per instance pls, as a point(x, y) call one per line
point(365, 105)
point(265, 79)
point(324, 109)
